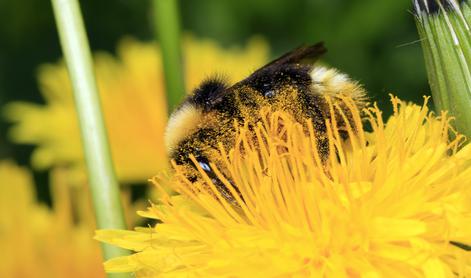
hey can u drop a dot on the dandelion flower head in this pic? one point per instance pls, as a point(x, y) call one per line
point(393, 202)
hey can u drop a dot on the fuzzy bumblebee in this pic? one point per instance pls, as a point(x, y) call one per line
point(291, 83)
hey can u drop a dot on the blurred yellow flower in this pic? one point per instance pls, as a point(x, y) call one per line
point(37, 241)
point(133, 98)
point(391, 203)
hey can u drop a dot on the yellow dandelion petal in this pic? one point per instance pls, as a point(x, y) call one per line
point(132, 92)
point(393, 202)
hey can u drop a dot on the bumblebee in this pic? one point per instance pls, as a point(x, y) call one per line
point(292, 83)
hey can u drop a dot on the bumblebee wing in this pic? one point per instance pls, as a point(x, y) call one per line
point(303, 54)
point(293, 66)
point(264, 78)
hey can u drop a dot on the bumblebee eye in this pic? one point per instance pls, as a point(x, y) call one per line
point(205, 166)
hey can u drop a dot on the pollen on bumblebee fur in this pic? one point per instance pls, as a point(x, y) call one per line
point(383, 204)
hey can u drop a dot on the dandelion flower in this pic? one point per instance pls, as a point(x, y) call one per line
point(393, 202)
point(134, 104)
point(37, 241)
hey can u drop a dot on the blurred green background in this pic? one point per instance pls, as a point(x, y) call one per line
point(373, 41)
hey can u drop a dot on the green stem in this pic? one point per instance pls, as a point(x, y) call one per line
point(102, 179)
point(167, 26)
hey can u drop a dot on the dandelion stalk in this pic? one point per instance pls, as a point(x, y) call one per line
point(444, 27)
point(167, 26)
point(104, 187)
